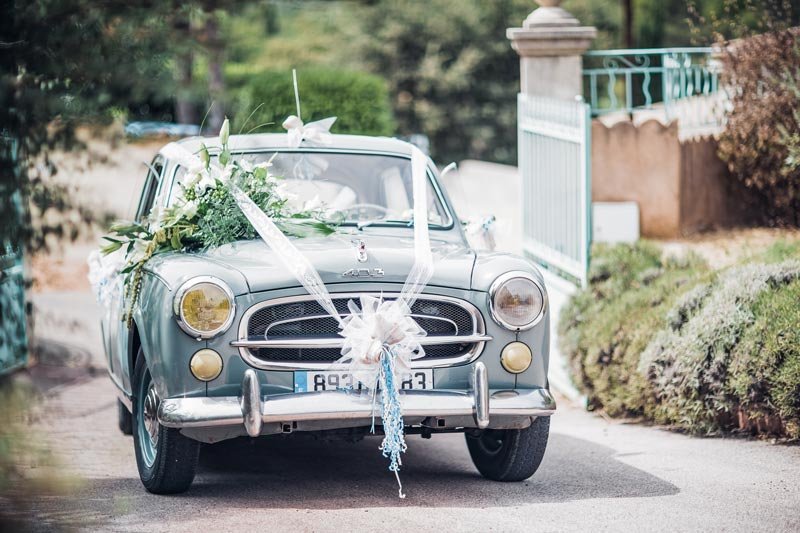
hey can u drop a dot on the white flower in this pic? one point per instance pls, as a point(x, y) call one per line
point(265, 164)
point(314, 203)
point(226, 175)
point(282, 192)
point(187, 209)
point(139, 250)
point(205, 182)
point(157, 216)
point(224, 132)
point(246, 165)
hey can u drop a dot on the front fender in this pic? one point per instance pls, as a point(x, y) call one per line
point(488, 267)
point(165, 346)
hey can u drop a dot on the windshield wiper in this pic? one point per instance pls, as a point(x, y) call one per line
point(365, 223)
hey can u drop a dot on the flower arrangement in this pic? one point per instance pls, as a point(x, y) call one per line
point(205, 214)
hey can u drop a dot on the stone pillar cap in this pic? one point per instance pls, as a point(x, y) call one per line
point(551, 30)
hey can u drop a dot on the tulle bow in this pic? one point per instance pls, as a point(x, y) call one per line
point(379, 325)
point(318, 131)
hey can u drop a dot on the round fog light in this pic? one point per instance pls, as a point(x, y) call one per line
point(516, 357)
point(206, 365)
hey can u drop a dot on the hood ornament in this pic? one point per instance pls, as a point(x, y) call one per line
point(361, 250)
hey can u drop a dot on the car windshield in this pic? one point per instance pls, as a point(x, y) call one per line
point(357, 188)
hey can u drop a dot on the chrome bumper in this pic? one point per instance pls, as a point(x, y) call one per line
point(478, 407)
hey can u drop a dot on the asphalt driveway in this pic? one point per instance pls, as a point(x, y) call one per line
point(596, 475)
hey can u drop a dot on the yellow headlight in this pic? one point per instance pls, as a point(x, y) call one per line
point(516, 357)
point(206, 365)
point(204, 308)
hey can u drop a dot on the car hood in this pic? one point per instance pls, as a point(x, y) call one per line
point(389, 260)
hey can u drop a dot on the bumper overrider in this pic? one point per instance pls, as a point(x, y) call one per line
point(479, 407)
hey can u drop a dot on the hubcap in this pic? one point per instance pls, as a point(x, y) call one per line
point(151, 414)
point(148, 421)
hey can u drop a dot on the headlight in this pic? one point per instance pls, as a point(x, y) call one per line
point(517, 301)
point(204, 307)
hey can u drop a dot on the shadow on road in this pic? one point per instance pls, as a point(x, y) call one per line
point(300, 472)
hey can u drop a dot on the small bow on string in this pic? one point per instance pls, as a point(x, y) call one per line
point(318, 131)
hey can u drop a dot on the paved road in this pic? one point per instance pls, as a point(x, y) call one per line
point(596, 476)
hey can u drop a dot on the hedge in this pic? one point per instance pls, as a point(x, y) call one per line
point(673, 342)
point(360, 101)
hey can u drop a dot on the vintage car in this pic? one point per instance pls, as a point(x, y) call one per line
point(225, 343)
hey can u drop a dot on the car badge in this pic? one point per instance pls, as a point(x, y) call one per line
point(363, 273)
point(361, 250)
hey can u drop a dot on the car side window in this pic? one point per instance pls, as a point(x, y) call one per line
point(150, 189)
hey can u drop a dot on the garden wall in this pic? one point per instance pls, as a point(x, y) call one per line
point(681, 186)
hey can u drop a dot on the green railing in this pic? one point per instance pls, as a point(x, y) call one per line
point(629, 80)
point(13, 312)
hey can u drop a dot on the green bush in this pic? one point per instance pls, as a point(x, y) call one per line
point(679, 344)
point(360, 101)
point(605, 328)
point(761, 141)
point(765, 364)
point(688, 363)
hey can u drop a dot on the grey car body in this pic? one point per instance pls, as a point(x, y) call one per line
point(255, 395)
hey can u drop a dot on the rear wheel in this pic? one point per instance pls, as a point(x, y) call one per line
point(509, 454)
point(167, 460)
point(124, 419)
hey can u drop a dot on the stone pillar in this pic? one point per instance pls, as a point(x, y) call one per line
point(550, 44)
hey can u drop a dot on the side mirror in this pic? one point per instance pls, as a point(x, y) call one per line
point(452, 166)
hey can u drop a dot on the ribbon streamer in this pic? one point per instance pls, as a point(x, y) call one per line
point(380, 338)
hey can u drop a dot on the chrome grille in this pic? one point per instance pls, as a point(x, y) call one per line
point(296, 332)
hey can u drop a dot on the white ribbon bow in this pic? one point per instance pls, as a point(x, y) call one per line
point(318, 131)
point(378, 325)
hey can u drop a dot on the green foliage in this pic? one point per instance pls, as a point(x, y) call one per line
point(206, 213)
point(765, 364)
point(451, 72)
point(605, 328)
point(681, 345)
point(688, 364)
point(761, 141)
point(64, 62)
point(360, 101)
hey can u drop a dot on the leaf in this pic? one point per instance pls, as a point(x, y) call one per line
point(225, 156)
point(112, 247)
point(176, 240)
point(127, 228)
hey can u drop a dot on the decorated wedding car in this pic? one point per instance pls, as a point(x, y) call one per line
point(310, 282)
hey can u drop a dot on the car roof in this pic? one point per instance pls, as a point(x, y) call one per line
point(266, 141)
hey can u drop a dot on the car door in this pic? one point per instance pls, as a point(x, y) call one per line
point(120, 337)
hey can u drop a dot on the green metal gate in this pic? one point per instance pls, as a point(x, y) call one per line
point(554, 163)
point(13, 315)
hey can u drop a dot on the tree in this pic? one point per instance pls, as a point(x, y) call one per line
point(452, 76)
point(65, 61)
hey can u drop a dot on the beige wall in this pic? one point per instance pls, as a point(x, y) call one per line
point(681, 187)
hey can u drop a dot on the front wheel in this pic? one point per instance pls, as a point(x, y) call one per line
point(167, 460)
point(509, 454)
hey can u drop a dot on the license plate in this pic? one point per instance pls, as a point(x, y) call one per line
point(327, 380)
